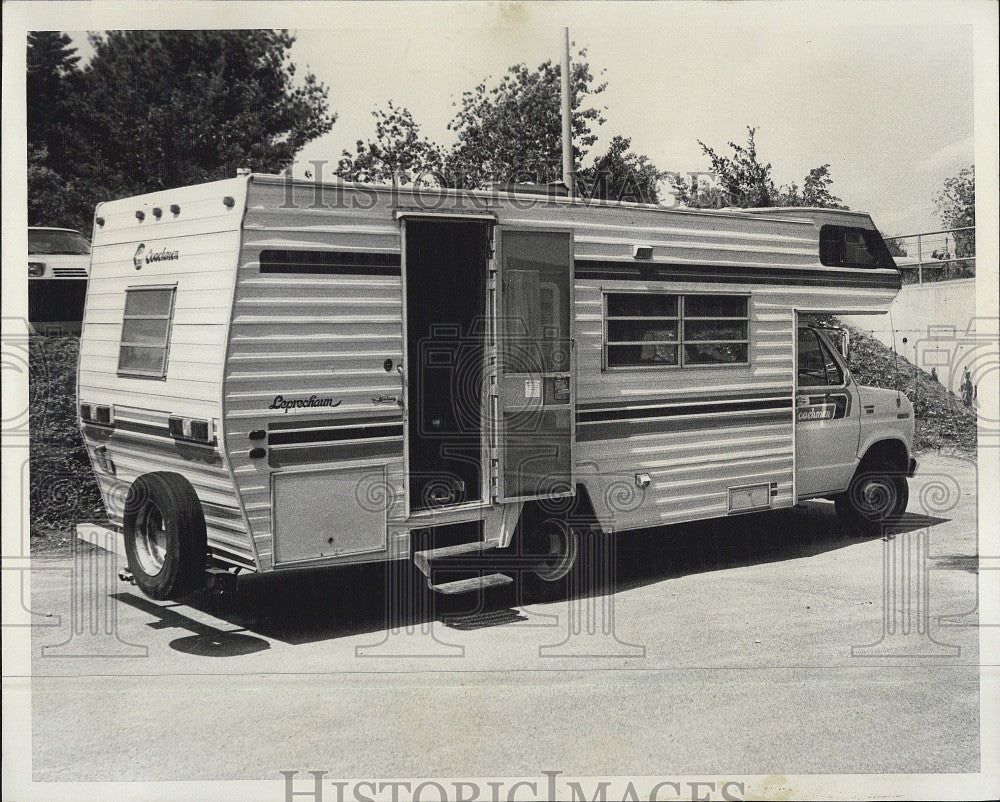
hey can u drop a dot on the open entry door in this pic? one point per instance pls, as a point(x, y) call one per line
point(535, 379)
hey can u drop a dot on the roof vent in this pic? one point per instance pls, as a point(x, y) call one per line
point(644, 252)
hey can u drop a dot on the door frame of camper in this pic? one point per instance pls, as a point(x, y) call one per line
point(485, 501)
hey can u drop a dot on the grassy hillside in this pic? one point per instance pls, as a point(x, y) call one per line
point(942, 420)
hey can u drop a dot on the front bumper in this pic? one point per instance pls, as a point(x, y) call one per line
point(911, 468)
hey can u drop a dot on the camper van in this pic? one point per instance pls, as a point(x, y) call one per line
point(277, 374)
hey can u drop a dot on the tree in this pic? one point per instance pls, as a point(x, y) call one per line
point(956, 204)
point(815, 191)
point(512, 132)
point(161, 109)
point(59, 150)
point(398, 152)
point(508, 134)
point(620, 175)
point(744, 181)
point(52, 76)
point(181, 107)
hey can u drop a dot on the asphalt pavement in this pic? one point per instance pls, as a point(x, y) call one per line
point(769, 643)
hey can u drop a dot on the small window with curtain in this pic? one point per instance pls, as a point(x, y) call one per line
point(716, 329)
point(146, 331)
point(642, 330)
point(659, 329)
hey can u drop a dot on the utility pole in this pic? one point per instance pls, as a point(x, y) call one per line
point(567, 127)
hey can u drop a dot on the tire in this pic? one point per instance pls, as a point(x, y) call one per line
point(876, 498)
point(552, 550)
point(557, 547)
point(165, 535)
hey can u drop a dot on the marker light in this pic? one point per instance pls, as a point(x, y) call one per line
point(190, 429)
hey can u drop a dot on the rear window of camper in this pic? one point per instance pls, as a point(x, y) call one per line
point(146, 331)
point(841, 246)
point(663, 330)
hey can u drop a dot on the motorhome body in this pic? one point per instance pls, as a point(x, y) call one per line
point(318, 371)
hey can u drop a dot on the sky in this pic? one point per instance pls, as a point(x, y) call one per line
point(887, 104)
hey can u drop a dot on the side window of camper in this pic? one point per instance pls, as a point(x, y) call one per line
point(657, 329)
point(716, 329)
point(146, 331)
point(641, 330)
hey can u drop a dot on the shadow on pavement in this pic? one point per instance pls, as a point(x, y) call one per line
point(206, 640)
point(308, 605)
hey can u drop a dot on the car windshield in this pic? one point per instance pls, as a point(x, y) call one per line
point(55, 242)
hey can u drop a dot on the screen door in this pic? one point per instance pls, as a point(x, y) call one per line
point(535, 384)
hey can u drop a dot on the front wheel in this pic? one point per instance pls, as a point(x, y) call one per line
point(876, 498)
point(164, 535)
point(548, 551)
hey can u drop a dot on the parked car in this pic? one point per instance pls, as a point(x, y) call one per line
point(58, 271)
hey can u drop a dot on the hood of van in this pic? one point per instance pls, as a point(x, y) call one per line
point(882, 402)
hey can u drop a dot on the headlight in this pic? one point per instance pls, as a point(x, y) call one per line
point(36, 269)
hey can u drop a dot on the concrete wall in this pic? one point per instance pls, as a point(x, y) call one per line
point(938, 322)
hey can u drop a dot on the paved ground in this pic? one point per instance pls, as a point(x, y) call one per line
point(726, 651)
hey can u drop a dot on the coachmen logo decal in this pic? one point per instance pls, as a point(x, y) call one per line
point(162, 255)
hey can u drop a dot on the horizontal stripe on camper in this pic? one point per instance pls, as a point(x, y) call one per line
point(680, 400)
point(312, 441)
point(100, 431)
point(673, 410)
point(341, 263)
point(684, 419)
point(335, 434)
point(335, 452)
point(604, 270)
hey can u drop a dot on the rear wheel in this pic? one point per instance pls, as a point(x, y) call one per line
point(876, 498)
point(164, 535)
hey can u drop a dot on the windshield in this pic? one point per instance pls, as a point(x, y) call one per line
point(56, 242)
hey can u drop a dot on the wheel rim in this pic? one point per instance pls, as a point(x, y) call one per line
point(151, 540)
point(876, 498)
point(556, 551)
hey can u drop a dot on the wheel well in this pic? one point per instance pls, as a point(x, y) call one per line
point(577, 511)
point(886, 452)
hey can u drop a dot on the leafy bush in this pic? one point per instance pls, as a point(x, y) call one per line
point(63, 491)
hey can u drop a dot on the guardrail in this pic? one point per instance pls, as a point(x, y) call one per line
point(940, 255)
